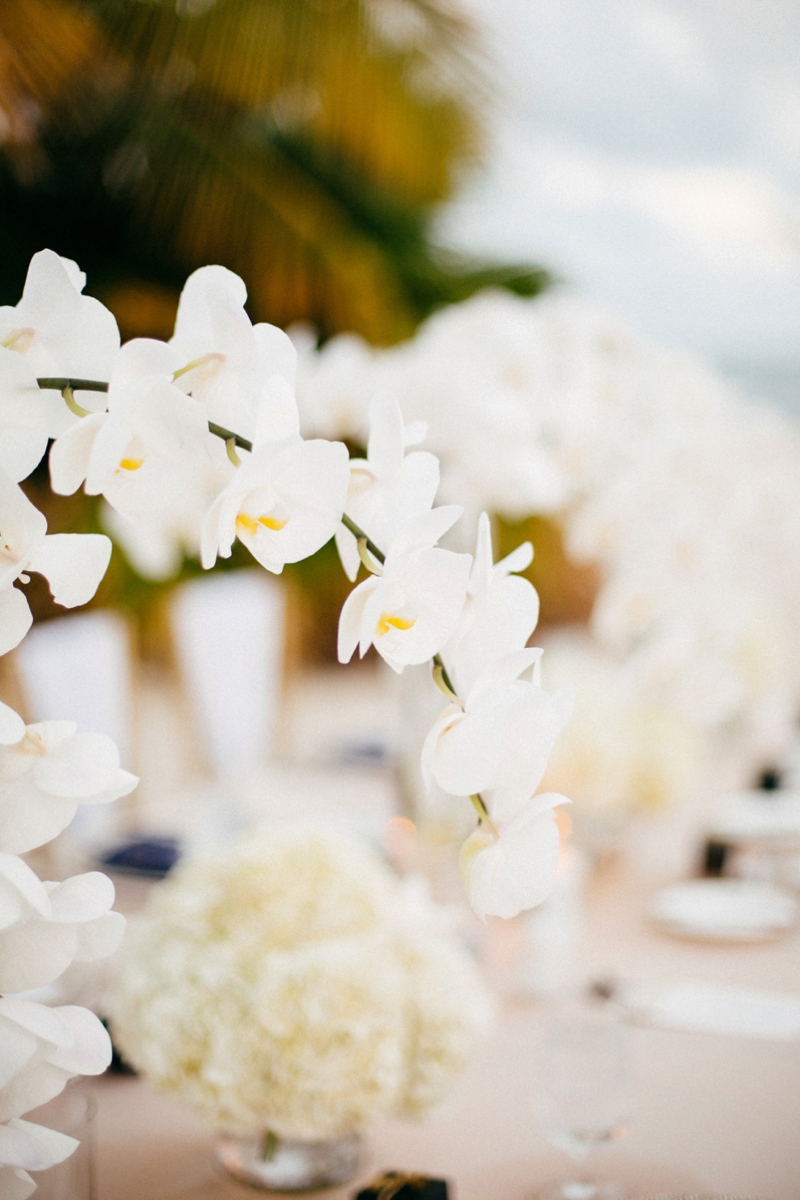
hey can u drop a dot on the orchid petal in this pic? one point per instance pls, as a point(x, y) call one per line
point(70, 454)
point(23, 420)
point(347, 546)
point(32, 1086)
point(518, 560)
point(55, 1145)
point(12, 726)
point(20, 1148)
point(37, 1020)
point(138, 361)
point(212, 539)
point(352, 617)
point(465, 758)
point(15, 618)
point(18, 875)
point(278, 350)
point(82, 897)
point(444, 722)
point(81, 766)
point(35, 953)
point(22, 527)
point(277, 416)
point(497, 622)
point(502, 876)
point(73, 563)
point(17, 1047)
point(386, 441)
point(426, 529)
point(505, 671)
point(89, 1050)
point(192, 322)
point(481, 576)
point(29, 817)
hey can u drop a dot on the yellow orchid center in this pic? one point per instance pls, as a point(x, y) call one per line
point(247, 524)
point(130, 464)
point(19, 340)
point(388, 621)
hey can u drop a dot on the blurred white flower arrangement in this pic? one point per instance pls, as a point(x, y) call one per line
point(622, 751)
point(684, 495)
point(291, 982)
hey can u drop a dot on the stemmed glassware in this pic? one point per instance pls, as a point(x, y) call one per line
point(586, 1091)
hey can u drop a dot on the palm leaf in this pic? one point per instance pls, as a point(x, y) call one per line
point(300, 142)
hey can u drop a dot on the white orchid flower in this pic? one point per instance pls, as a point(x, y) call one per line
point(23, 417)
point(46, 772)
point(231, 366)
point(140, 452)
point(410, 610)
point(510, 867)
point(46, 926)
point(284, 503)
point(73, 563)
point(500, 743)
point(58, 332)
point(500, 613)
point(25, 1147)
point(42, 1048)
point(388, 488)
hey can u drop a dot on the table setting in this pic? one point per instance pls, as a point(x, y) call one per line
point(399, 648)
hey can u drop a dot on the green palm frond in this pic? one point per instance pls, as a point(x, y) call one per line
point(300, 142)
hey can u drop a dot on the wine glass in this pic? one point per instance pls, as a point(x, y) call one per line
point(586, 1081)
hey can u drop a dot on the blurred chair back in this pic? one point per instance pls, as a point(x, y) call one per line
point(228, 631)
point(78, 668)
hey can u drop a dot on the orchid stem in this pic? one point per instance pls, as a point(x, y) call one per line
point(230, 446)
point(483, 812)
point(228, 435)
point(439, 673)
point(72, 404)
point(77, 385)
point(359, 535)
point(372, 566)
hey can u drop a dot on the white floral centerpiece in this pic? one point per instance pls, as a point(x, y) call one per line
point(292, 983)
point(681, 494)
point(198, 440)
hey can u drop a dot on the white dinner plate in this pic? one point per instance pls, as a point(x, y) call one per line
point(730, 910)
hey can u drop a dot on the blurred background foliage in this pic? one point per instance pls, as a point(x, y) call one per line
point(304, 144)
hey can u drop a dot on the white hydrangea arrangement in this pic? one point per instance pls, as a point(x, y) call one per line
point(292, 983)
point(198, 440)
point(684, 495)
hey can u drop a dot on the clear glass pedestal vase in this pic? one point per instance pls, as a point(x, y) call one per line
point(277, 1164)
point(72, 1112)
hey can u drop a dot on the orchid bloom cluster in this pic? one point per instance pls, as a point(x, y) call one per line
point(198, 439)
point(46, 771)
point(683, 495)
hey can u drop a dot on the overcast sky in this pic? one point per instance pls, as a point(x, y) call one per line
point(648, 151)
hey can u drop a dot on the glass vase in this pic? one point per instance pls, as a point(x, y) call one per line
point(290, 1164)
point(72, 1112)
